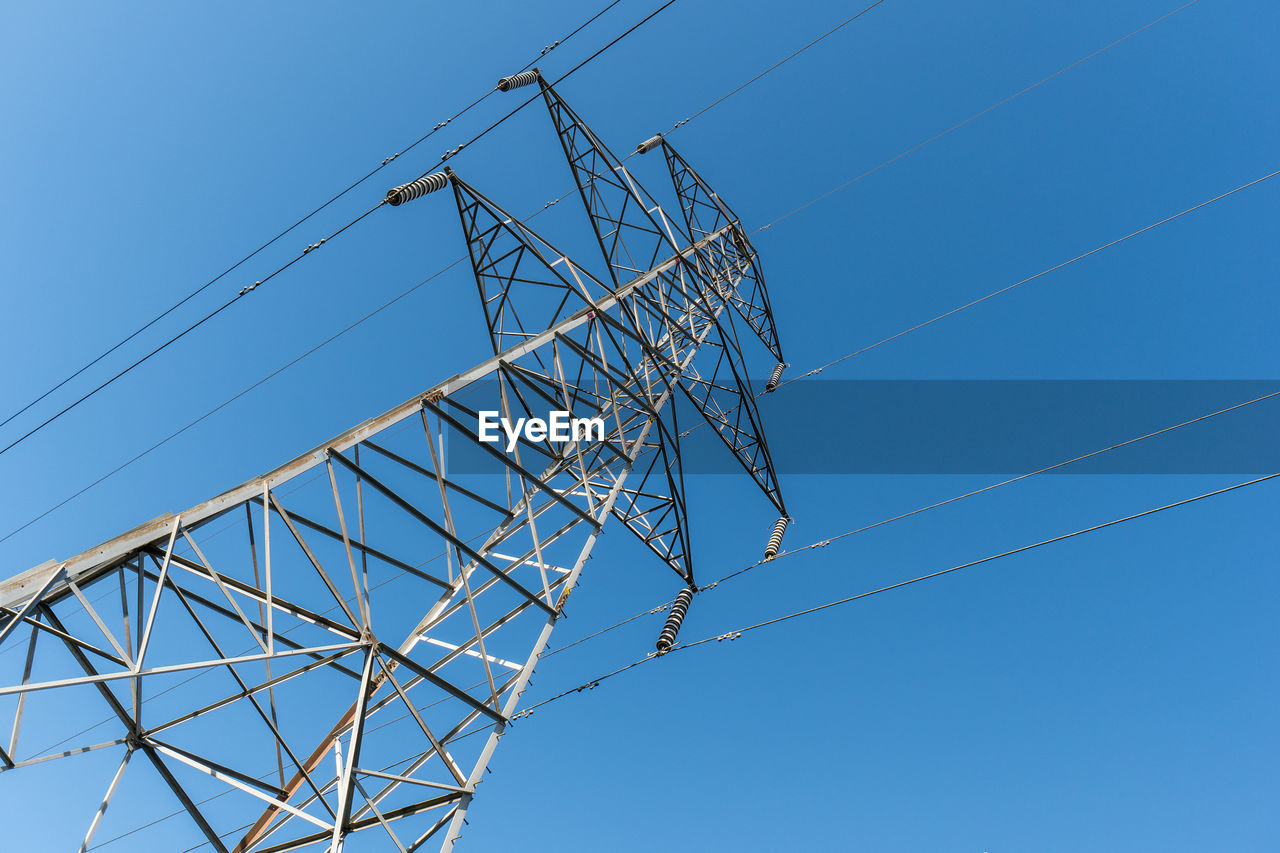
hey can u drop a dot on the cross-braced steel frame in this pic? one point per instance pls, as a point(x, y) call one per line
point(337, 646)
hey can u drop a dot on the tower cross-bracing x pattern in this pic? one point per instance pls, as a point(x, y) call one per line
point(327, 655)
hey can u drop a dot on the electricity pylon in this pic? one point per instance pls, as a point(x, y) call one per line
point(339, 645)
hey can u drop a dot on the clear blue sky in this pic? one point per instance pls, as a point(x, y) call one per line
point(1113, 693)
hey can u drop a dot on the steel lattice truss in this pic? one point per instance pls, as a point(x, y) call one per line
point(326, 656)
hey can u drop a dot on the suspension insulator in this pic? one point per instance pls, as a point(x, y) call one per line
point(515, 81)
point(649, 144)
point(777, 374)
point(667, 638)
point(408, 192)
point(775, 538)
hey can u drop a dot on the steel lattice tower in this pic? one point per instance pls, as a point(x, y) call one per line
point(293, 641)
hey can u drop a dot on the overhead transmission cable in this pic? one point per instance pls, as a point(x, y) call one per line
point(556, 201)
point(735, 634)
point(678, 124)
point(455, 151)
point(776, 65)
point(227, 402)
point(825, 542)
point(180, 335)
point(245, 291)
point(974, 117)
point(1031, 278)
point(813, 372)
point(254, 254)
point(280, 235)
point(561, 198)
point(818, 544)
point(822, 543)
point(791, 552)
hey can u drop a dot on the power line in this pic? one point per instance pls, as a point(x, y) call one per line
point(322, 344)
point(975, 116)
point(548, 204)
point(813, 372)
point(790, 552)
point(561, 198)
point(914, 148)
point(735, 634)
point(1040, 274)
point(384, 306)
point(822, 543)
point(566, 195)
point(386, 162)
point(659, 609)
point(843, 601)
point(455, 151)
point(174, 339)
point(245, 291)
point(588, 22)
point(281, 369)
point(777, 64)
